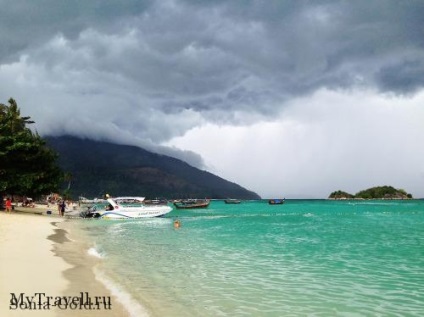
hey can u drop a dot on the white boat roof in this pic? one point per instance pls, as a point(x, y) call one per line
point(128, 198)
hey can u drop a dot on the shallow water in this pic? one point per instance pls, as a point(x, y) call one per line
point(303, 258)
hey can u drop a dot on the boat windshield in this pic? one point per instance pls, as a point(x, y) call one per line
point(129, 201)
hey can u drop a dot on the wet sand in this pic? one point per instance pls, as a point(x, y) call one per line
point(73, 249)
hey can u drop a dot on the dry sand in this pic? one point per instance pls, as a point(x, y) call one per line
point(27, 263)
point(38, 255)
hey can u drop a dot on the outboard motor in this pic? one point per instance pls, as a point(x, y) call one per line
point(90, 213)
point(83, 214)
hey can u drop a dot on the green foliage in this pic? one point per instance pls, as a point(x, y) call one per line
point(27, 165)
point(339, 194)
point(379, 192)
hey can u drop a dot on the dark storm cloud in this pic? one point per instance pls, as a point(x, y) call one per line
point(25, 24)
point(404, 77)
point(187, 62)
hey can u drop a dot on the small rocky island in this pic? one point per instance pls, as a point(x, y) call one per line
point(379, 192)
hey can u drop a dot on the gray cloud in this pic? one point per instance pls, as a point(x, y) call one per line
point(151, 70)
point(403, 77)
point(25, 24)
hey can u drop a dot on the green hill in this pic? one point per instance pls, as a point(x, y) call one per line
point(340, 195)
point(97, 168)
point(379, 192)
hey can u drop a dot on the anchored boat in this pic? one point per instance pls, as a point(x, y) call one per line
point(192, 203)
point(276, 201)
point(232, 201)
point(126, 207)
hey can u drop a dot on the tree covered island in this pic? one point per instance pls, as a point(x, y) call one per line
point(379, 192)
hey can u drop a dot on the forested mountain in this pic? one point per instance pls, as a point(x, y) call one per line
point(96, 168)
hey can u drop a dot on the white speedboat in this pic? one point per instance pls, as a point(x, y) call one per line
point(126, 207)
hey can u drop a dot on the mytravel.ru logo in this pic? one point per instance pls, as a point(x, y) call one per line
point(40, 301)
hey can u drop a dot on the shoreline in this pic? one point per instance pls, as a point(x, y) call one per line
point(81, 276)
point(40, 254)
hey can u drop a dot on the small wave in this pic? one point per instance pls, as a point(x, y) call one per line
point(130, 304)
point(93, 252)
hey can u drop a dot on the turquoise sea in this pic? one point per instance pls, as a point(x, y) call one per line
point(303, 258)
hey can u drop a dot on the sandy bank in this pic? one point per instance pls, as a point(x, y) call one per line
point(37, 256)
point(27, 263)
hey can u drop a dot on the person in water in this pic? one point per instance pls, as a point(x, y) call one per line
point(177, 224)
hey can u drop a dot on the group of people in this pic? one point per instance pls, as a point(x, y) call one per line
point(61, 206)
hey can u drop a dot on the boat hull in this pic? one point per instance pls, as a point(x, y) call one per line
point(144, 212)
point(276, 201)
point(137, 212)
point(191, 205)
point(232, 201)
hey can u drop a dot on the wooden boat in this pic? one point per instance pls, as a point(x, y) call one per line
point(232, 201)
point(192, 203)
point(276, 201)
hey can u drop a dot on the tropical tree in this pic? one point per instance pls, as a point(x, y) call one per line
point(27, 165)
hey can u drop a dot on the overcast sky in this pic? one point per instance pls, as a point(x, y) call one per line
point(286, 98)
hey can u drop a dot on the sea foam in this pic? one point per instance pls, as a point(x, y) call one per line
point(130, 304)
point(94, 252)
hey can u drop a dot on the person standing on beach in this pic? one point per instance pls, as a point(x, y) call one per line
point(62, 206)
point(8, 205)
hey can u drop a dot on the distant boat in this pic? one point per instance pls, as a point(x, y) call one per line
point(276, 201)
point(232, 201)
point(85, 201)
point(192, 203)
point(126, 207)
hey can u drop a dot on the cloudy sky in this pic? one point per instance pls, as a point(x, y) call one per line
point(286, 98)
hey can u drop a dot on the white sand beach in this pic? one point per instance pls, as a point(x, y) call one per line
point(36, 256)
point(27, 263)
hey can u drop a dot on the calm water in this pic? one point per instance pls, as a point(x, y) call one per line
point(303, 258)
